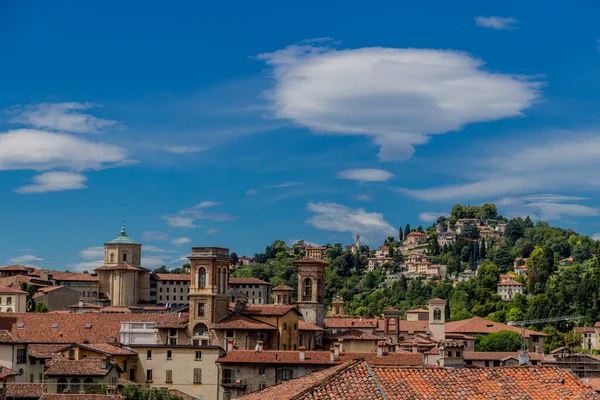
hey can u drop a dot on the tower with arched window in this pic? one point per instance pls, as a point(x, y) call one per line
point(311, 289)
point(437, 318)
point(209, 297)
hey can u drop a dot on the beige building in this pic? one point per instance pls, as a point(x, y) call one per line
point(416, 239)
point(508, 288)
point(379, 262)
point(13, 354)
point(316, 252)
point(172, 289)
point(253, 290)
point(311, 290)
point(122, 280)
point(85, 284)
point(57, 297)
point(12, 300)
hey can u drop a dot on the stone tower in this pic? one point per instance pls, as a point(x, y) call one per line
point(437, 318)
point(209, 298)
point(311, 289)
point(122, 280)
point(357, 242)
point(337, 307)
point(283, 294)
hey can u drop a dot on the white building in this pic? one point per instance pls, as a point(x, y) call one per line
point(507, 289)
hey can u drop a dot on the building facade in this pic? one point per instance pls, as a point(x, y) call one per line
point(255, 291)
point(172, 289)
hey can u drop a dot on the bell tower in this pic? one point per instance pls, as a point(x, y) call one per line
point(311, 289)
point(209, 300)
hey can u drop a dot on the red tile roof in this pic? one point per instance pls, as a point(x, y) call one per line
point(306, 326)
point(356, 380)
point(350, 322)
point(10, 290)
point(483, 326)
point(25, 390)
point(73, 396)
point(84, 305)
point(353, 334)
point(282, 288)
point(115, 310)
point(105, 348)
point(5, 372)
point(172, 277)
point(416, 234)
point(268, 309)
point(418, 310)
point(44, 350)
point(16, 268)
point(75, 277)
point(71, 328)
point(47, 289)
point(85, 367)
point(498, 355)
point(247, 281)
point(510, 283)
point(237, 321)
point(582, 329)
point(9, 337)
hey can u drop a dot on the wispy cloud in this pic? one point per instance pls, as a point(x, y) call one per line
point(92, 253)
point(499, 23)
point(283, 185)
point(339, 218)
point(366, 175)
point(154, 236)
point(398, 97)
point(187, 217)
point(211, 231)
point(26, 259)
point(54, 181)
point(154, 249)
point(185, 149)
point(362, 197)
point(180, 241)
point(545, 207)
point(251, 192)
point(430, 216)
point(180, 222)
point(85, 266)
point(66, 117)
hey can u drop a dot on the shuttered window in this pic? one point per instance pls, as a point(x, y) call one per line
point(169, 377)
point(197, 375)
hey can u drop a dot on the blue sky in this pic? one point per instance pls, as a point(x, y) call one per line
point(235, 124)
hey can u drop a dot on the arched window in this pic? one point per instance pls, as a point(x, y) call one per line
point(200, 330)
point(437, 314)
point(75, 385)
point(202, 277)
point(307, 289)
point(9, 309)
point(218, 280)
point(87, 381)
point(94, 294)
point(112, 257)
point(224, 284)
point(61, 385)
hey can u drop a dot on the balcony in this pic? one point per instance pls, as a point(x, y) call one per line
point(233, 383)
point(307, 298)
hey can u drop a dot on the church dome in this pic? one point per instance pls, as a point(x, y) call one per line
point(123, 238)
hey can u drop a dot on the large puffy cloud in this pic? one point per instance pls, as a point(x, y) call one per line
point(396, 96)
point(66, 117)
point(339, 218)
point(40, 150)
point(547, 207)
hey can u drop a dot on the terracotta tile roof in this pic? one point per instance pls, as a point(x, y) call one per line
point(44, 350)
point(416, 234)
point(310, 261)
point(73, 396)
point(105, 348)
point(410, 327)
point(437, 301)
point(85, 367)
point(350, 322)
point(5, 372)
point(498, 355)
point(15, 281)
point(71, 328)
point(418, 310)
point(357, 381)
point(16, 268)
point(247, 281)
point(582, 329)
point(282, 288)
point(237, 321)
point(10, 290)
point(306, 326)
point(172, 277)
point(268, 309)
point(9, 337)
point(116, 310)
point(353, 334)
point(25, 390)
point(276, 357)
point(75, 277)
point(394, 358)
point(593, 382)
point(47, 289)
point(477, 325)
point(84, 305)
point(120, 267)
point(510, 283)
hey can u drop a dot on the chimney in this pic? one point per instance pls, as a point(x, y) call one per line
point(105, 362)
point(80, 303)
point(380, 348)
point(229, 345)
point(341, 341)
point(259, 345)
point(332, 356)
point(302, 354)
point(336, 349)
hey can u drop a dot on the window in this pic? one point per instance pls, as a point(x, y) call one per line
point(75, 386)
point(21, 356)
point(229, 333)
point(88, 326)
point(61, 385)
point(262, 371)
point(180, 298)
point(201, 309)
point(148, 354)
point(535, 338)
point(41, 377)
point(295, 327)
point(202, 278)
point(54, 326)
point(449, 354)
point(197, 375)
point(285, 374)
point(21, 325)
point(200, 330)
point(181, 290)
point(169, 354)
point(169, 377)
point(458, 354)
point(160, 297)
point(167, 296)
point(124, 256)
point(148, 375)
point(72, 353)
point(167, 290)
point(160, 289)
point(262, 386)
point(9, 301)
point(285, 326)
point(198, 356)
point(112, 260)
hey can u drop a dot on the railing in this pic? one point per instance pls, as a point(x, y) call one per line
point(307, 298)
point(232, 382)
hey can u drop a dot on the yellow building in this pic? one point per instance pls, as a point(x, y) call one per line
point(12, 300)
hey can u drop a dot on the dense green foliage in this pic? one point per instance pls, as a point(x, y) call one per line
point(133, 392)
point(95, 388)
point(499, 341)
point(550, 289)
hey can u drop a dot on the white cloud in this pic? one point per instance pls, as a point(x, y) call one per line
point(86, 266)
point(154, 249)
point(398, 97)
point(283, 185)
point(568, 162)
point(366, 175)
point(339, 218)
point(154, 236)
point(362, 197)
point(180, 222)
point(429, 216)
point(596, 236)
point(184, 149)
point(251, 192)
point(54, 181)
point(211, 231)
point(545, 207)
point(92, 253)
point(180, 241)
point(152, 262)
point(25, 259)
point(206, 204)
point(496, 22)
point(39, 150)
point(61, 117)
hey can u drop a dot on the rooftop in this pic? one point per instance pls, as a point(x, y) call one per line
point(172, 277)
point(282, 288)
point(123, 238)
point(268, 309)
point(84, 367)
point(237, 321)
point(10, 290)
point(483, 326)
point(350, 322)
point(247, 281)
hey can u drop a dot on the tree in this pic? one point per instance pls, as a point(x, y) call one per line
point(29, 302)
point(41, 307)
point(234, 258)
point(488, 211)
point(470, 231)
point(420, 228)
point(95, 388)
point(573, 339)
point(514, 230)
point(161, 270)
point(499, 341)
point(554, 340)
point(406, 230)
point(581, 252)
point(400, 235)
point(458, 211)
point(482, 250)
point(260, 258)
